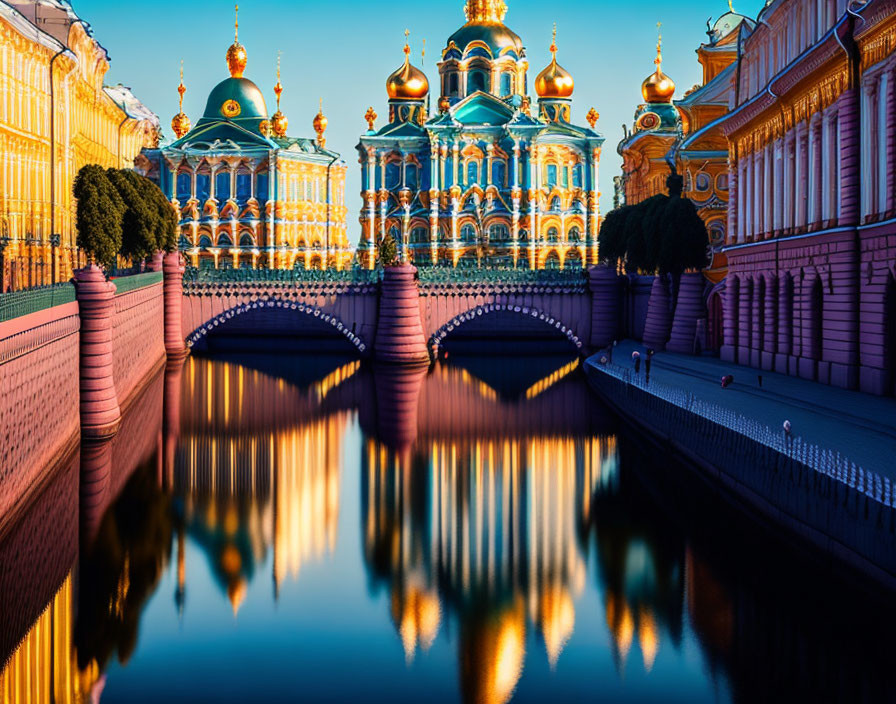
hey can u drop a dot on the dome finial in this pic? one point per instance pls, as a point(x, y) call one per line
point(181, 123)
point(279, 121)
point(658, 87)
point(320, 126)
point(236, 54)
point(485, 10)
point(423, 54)
point(659, 46)
point(554, 43)
point(731, 6)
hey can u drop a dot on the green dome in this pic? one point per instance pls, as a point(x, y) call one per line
point(243, 92)
point(496, 36)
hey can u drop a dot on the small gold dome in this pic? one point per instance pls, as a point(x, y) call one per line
point(236, 54)
point(555, 81)
point(279, 124)
point(408, 82)
point(181, 124)
point(658, 87)
point(320, 125)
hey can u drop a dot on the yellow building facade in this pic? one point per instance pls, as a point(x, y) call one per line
point(56, 115)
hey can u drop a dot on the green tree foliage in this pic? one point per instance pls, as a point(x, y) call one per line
point(388, 251)
point(139, 221)
point(99, 215)
point(166, 221)
point(661, 235)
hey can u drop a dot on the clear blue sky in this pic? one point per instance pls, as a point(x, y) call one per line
point(343, 52)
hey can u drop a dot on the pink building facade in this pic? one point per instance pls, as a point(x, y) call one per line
point(811, 289)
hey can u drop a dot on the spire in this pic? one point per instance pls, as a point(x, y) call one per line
point(554, 44)
point(659, 47)
point(407, 47)
point(236, 54)
point(731, 6)
point(486, 11)
point(279, 122)
point(320, 126)
point(423, 54)
point(180, 123)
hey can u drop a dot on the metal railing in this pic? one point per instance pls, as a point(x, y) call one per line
point(501, 275)
point(718, 429)
point(217, 276)
point(126, 284)
point(18, 303)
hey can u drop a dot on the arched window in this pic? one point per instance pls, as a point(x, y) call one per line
point(205, 241)
point(246, 241)
point(419, 235)
point(552, 175)
point(393, 175)
point(553, 235)
point(395, 234)
point(499, 173)
point(453, 85)
point(565, 176)
point(224, 240)
point(499, 233)
point(552, 262)
point(468, 233)
point(472, 172)
point(703, 181)
point(477, 81)
point(555, 204)
point(261, 184)
point(184, 186)
point(577, 176)
point(574, 234)
point(506, 85)
point(243, 187)
point(222, 185)
point(411, 176)
point(573, 260)
point(203, 186)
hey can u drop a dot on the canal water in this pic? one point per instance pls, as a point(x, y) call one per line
point(317, 529)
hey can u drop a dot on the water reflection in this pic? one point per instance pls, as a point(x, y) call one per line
point(478, 531)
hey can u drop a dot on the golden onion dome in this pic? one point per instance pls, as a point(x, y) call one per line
point(236, 54)
point(658, 87)
point(555, 81)
point(408, 82)
point(279, 124)
point(320, 125)
point(180, 123)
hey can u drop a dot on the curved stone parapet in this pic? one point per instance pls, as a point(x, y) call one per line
point(659, 319)
point(606, 287)
point(399, 332)
point(100, 413)
point(688, 310)
point(173, 268)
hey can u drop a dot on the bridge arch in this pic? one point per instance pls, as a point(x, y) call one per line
point(339, 327)
point(438, 337)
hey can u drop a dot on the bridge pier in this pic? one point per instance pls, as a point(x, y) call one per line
point(399, 330)
point(173, 288)
point(100, 413)
point(606, 304)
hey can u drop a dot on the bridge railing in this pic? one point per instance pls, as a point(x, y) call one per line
point(126, 284)
point(447, 275)
point(18, 303)
point(192, 275)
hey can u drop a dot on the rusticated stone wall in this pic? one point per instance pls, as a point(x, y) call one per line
point(39, 411)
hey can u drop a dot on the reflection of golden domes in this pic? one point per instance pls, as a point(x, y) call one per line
point(493, 656)
point(658, 87)
point(417, 617)
point(555, 81)
point(558, 618)
point(236, 593)
point(236, 54)
point(408, 82)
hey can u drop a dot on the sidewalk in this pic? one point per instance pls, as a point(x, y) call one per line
point(861, 427)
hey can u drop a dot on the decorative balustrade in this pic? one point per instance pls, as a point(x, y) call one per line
point(18, 303)
point(127, 284)
point(192, 275)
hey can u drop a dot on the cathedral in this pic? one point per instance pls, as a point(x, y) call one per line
point(487, 179)
point(250, 195)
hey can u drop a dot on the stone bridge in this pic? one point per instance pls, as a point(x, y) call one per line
point(397, 318)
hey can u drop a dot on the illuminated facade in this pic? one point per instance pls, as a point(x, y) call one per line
point(811, 288)
point(55, 116)
point(686, 133)
point(250, 195)
point(483, 181)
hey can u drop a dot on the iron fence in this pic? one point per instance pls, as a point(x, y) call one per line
point(18, 303)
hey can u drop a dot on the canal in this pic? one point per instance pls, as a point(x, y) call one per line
point(317, 529)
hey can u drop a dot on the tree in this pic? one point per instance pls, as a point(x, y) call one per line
point(388, 251)
point(166, 221)
point(98, 216)
point(140, 216)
